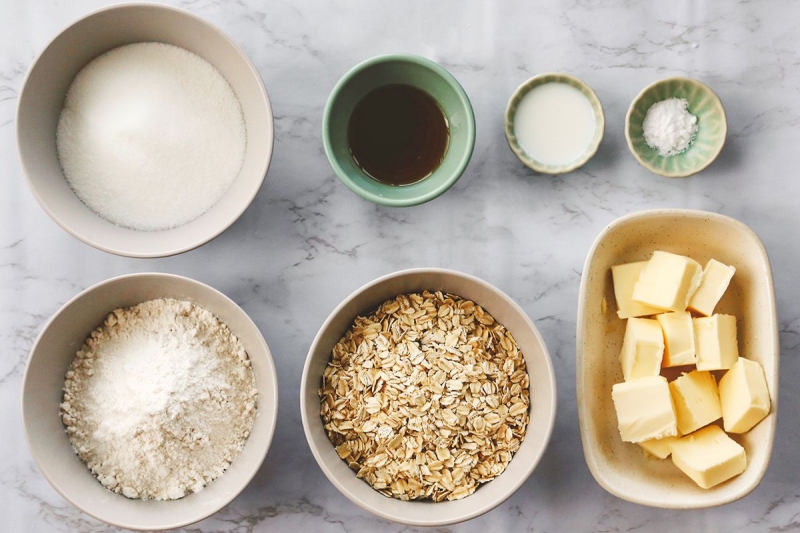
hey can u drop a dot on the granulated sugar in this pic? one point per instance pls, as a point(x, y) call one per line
point(151, 136)
point(159, 400)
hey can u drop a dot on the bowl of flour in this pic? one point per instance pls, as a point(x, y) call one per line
point(149, 401)
point(143, 130)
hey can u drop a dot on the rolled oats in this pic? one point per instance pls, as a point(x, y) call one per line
point(426, 398)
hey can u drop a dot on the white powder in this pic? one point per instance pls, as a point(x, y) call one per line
point(151, 136)
point(159, 400)
point(668, 126)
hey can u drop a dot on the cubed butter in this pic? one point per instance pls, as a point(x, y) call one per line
point(625, 277)
point(661, 448)
point(715, 342)
point(709, 456)
point(667, 281)
point(644, 409)
point(744, 396)
point(642, 348)
point(696, 399)
point(716, 278)
point(678, 339)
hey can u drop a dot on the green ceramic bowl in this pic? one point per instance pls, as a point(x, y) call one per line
point(712, 126)
point(422, 74)
point(511, 111)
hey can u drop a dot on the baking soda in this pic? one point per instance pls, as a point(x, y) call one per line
point(151, 136)
point(668, 126)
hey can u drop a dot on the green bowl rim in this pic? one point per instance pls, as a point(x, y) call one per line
point(522, 90)
point(683, 174)
point(449, 181)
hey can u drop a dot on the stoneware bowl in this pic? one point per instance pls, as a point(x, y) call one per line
point(42, 98)
point(52, 354)
point(510, 118)
point(422, 74)
point(622, 468)
point(712, 127)
point(542, 395)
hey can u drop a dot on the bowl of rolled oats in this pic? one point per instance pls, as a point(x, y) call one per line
point(428, 397)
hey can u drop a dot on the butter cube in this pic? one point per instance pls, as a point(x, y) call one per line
point(625, 277)
point(716, 278)
point(696, 399)
point(661, 448)
point(709, 456)
point(678, 339)
point(644, 409)
point(744, 396)
point(642, 348)
point(667, 281)
point(715, 342)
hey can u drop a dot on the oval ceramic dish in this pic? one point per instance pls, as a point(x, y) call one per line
point(418, 72)
point(42, 98)
point(622, 468)
point(511, 110)
point(712, 127)
point(542, 396)
point(42, 384)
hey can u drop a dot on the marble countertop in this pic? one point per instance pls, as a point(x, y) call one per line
point(307, 241)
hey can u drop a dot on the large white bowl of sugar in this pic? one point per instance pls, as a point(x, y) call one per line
point(50, 359)
point(121, 158)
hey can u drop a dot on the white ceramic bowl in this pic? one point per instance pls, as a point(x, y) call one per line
point(511, 117)
point(542, 396)
point(42, 98)
point(52, 354)
point(622, 468)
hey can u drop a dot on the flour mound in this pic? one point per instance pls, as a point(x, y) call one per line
point(159, 400)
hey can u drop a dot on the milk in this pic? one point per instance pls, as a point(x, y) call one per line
point(555, 123)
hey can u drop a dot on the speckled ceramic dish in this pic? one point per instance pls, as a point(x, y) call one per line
point(42, 384)
point(712, 127)
point(510, 116)
point(622, 468)
point(542, 397)
point(404, 69)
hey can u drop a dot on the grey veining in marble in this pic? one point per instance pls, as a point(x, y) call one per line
point(308, 241)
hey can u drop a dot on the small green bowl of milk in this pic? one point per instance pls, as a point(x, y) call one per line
point(554, 123)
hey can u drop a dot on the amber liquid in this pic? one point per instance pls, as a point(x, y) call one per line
point(398, 134)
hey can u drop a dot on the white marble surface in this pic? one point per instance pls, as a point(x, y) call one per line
point(307, 241)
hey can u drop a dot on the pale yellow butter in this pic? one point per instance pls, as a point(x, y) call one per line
point(709, 456)
point(667, 281)
point(744, 396)
point(696, 399)
point(625, 277)
point(661, 448)
point(715, 342)
point(678, 339)
point(716, 278)
point(642, 348)
point(644, 409)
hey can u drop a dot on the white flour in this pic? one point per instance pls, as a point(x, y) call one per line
point(151, 136)
point(159, 400)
